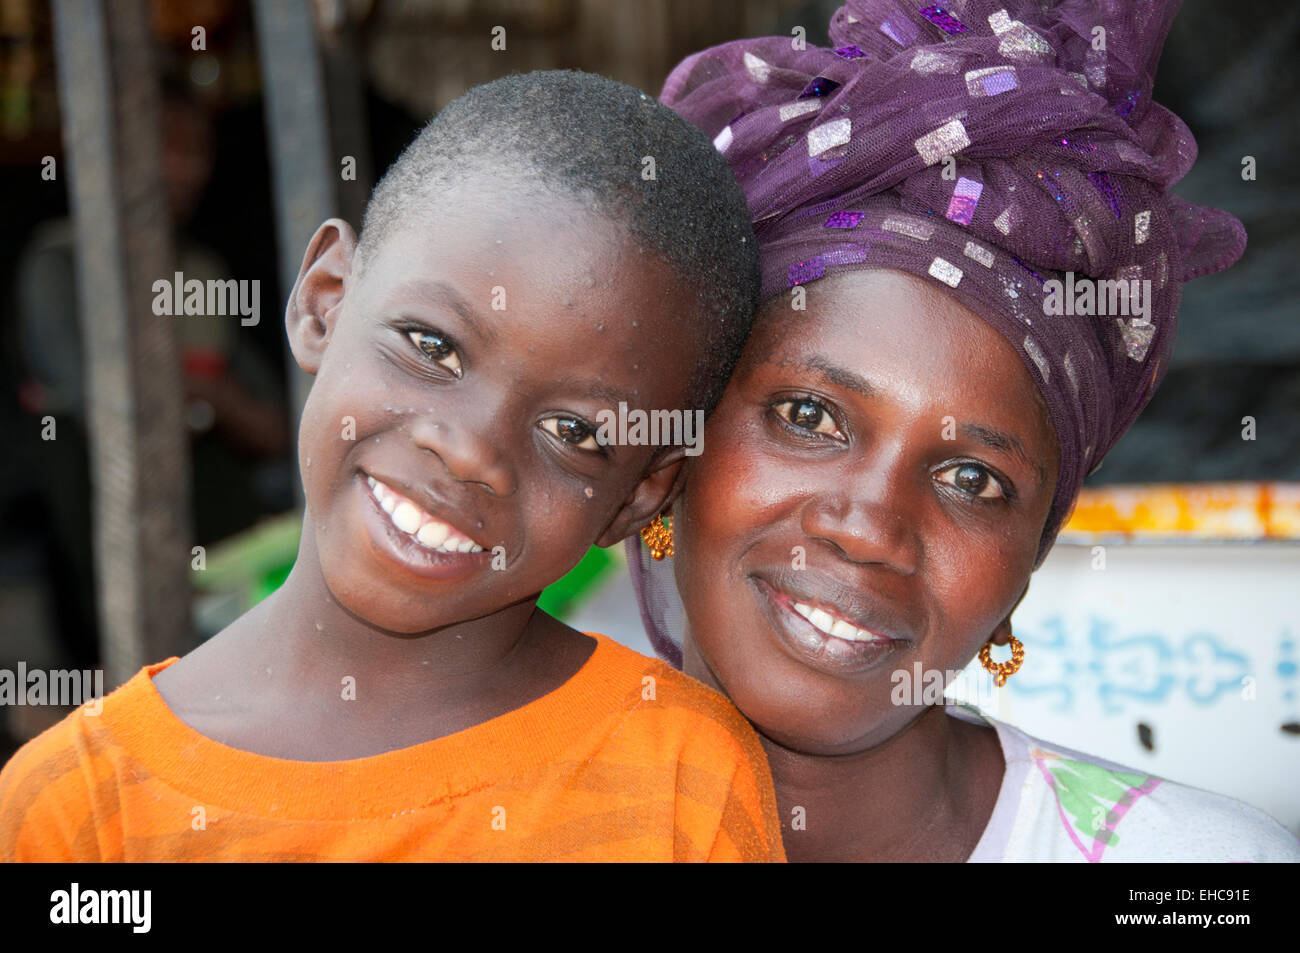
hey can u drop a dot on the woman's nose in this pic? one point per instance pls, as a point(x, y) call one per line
point(869, 515)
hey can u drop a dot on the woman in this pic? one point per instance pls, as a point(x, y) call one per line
point(916, 411)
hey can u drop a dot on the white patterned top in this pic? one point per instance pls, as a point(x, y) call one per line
point(1059, 805)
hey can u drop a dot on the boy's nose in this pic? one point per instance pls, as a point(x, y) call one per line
point(470, 453)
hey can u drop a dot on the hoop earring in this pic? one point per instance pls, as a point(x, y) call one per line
point(658, 537)
point(1002, 670)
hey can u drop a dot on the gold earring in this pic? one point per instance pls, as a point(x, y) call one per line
point(658, 537)
point(1001, 670)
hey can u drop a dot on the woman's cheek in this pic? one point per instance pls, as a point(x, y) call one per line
point(974, 592)
point(745, 475)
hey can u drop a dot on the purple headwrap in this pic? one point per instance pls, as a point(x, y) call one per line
point(995, 147)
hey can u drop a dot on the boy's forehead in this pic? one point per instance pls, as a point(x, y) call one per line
point(578, 294)
point(490, 232)
point(500, 197)
point(526, 265)
point(501, 255)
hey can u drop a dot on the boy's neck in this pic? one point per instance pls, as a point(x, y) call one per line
point(300, 677)
point(314, 632)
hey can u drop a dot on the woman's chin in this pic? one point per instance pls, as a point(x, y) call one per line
point(826, 729)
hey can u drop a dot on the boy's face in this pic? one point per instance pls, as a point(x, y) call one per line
point(881, 467)
point(463, 370)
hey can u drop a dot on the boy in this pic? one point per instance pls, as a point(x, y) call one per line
point(551, 245)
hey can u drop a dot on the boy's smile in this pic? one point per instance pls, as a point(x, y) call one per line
point(876, 481)
point(446, 447)
point(421, 543)
point(406, 514)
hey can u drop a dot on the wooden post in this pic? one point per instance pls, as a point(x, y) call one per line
point(135, 406)
point(302, 161)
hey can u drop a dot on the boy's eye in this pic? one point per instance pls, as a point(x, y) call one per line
point(572, 431)
point(807, 414)
point(436, 346)
point(973, 480)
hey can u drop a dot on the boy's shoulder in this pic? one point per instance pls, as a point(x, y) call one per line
point(88, 732)
point(678, 734)
point(654, 689)
point(51, 781)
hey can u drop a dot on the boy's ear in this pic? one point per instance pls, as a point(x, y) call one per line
point(656, 490)
point(318, 292)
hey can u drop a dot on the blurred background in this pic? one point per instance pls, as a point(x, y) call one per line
point(148, 484)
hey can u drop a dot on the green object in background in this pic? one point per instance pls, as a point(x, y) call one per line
point(271, 581)
point(253, 564)
point(242, 570)
point(564, 595)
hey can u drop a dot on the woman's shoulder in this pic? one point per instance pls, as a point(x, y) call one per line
point(1070, 805)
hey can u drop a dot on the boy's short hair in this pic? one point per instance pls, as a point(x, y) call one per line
point(588, 136)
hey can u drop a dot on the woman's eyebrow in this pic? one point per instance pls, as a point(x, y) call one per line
point(839, 376)
point(1007, 443)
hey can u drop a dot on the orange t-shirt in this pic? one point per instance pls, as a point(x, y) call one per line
point(629, 760)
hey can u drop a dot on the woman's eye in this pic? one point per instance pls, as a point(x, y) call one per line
point(572, 431)
point(973, 480)
point(809, 415)
point(437, 347)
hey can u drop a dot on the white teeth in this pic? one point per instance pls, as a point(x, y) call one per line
point(406, 518)
point(822, 619)
point(433, 534)
point(843, 630)
point(409, 518)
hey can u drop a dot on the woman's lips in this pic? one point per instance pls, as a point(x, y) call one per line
point(820, 637)
point(405, 548)
point(831, 622)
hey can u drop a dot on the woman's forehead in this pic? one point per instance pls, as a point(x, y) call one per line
point(905, 340)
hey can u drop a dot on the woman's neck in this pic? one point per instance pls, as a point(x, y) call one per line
point(924, 795)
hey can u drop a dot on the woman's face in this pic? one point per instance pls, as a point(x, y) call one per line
point(881, 467)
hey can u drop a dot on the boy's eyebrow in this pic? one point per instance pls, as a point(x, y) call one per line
point(1005, 442)
point(593, 389)
point(443, 293)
